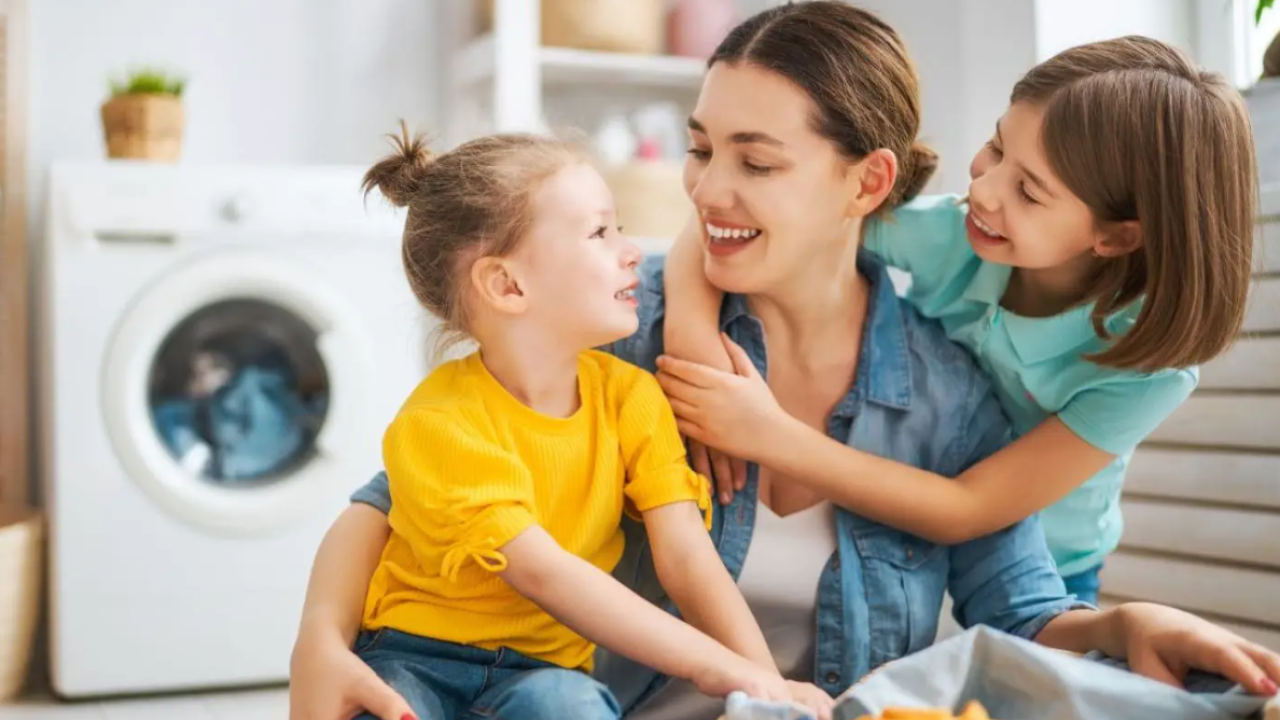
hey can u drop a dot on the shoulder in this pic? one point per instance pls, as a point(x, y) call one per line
point(1115, 410)
point(615, 375)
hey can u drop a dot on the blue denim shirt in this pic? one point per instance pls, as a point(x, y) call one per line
point(918, 398)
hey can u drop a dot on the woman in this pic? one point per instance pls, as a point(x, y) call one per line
point(788, 156)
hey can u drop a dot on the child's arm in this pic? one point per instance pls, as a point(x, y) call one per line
point(689, 332)
point(739, 414)
point(600, 608)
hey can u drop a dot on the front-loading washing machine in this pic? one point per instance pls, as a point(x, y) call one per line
point(221, 349)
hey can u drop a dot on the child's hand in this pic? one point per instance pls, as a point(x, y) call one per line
point(329, 682)
point(736, 413)
point(729, 473)
point(812, 697)
point(722, 676)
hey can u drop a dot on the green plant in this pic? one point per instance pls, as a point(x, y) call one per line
point(1262, 6)
point(148, 81)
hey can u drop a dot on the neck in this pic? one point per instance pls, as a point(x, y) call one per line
point(817, 318)
point(534, 368)
point(1044, 292)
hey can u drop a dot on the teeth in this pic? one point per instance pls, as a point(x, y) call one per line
point(719, 233)
point(625, 294)
point(984, 227)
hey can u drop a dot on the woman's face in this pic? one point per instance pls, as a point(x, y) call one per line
point(773, 195)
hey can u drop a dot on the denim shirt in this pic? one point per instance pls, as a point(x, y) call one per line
point(918, 398)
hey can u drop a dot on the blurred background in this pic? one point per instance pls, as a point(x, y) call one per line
point(205, 327)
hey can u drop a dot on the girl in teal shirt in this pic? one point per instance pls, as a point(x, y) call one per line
point(1102, 253)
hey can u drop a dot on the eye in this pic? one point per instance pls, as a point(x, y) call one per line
point(1026, 197)
point(755, 169)
point(991, 145)
point(599, 233)
point(700, 155)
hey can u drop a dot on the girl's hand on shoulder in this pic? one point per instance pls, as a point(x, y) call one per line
point(734, 412)
point(327, 681)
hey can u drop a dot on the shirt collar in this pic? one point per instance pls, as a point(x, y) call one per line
point(1038, 339)
point(884, 368)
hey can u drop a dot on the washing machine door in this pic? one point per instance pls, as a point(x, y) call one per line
point(234, 391)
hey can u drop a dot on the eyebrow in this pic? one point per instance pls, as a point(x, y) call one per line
point(741, 138)
point(1035, 179)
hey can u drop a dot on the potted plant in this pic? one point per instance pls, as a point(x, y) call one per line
point(143, 118)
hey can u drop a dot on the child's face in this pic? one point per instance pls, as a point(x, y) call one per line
point(578, 271)
point(1020, 213)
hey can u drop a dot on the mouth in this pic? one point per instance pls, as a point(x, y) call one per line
point(982, 233)
point(627, 294)
point(723, 239)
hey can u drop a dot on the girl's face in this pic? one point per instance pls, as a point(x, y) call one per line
point(1020, 213)
point(773, 195)
point(575, 270)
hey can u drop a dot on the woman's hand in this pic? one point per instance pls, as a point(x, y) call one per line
point(735, 413)
point(729, 473)
point(329, 682)
point(1164, 644)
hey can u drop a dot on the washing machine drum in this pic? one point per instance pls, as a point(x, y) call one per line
point(232, 390)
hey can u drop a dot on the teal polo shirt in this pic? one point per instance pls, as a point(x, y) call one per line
point(1036, 364)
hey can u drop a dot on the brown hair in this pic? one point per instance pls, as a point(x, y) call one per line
point(473, 201)
point(1137, 132)
point(856, 70)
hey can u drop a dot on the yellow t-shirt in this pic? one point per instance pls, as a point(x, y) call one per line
point(471, 467)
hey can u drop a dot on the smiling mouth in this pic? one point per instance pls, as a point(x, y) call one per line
point(730, 235)
point(985, 228)
point(625, 294)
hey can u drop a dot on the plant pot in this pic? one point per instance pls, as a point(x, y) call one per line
point(143, 127)
point(21, 544)
point(1271, 59)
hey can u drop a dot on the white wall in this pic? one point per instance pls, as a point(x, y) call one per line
point(270, 81)
point(1061, 24)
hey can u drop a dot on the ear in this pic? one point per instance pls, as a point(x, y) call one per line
point(1118, 239)
point(871, 180)
point(496, 285)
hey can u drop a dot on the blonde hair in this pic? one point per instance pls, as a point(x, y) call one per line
point(1138, 132)
point(473, 201)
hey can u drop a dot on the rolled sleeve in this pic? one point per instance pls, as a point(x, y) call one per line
point(1006, 580)
point(375, 493)
point(658, 472)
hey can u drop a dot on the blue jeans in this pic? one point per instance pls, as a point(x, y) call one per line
point(1085, 585)
point(444, 681)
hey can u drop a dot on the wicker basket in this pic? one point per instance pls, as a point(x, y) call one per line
point(21, 541)
point(624, 26)
point(649, 197)
point(143, 127)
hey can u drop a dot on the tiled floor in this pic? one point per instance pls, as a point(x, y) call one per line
point(266, 704)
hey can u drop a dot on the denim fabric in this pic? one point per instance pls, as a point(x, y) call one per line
point(919, 399)
point(1085, 585)
point(444, 681)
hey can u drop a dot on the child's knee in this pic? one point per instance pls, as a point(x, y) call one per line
point(554, 694)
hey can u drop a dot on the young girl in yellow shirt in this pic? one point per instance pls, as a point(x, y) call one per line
point(510, 468)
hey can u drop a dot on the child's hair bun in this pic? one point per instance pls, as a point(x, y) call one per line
point(399, 175)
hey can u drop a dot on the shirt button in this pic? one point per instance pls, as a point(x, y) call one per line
point(911, 553)
point(833, 678)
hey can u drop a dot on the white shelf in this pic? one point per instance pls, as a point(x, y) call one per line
point(477, 61)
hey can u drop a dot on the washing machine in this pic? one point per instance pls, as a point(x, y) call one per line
point(221, 351)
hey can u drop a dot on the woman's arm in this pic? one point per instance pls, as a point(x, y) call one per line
point(326, 679)
point(1164, 644)
point(693, 304)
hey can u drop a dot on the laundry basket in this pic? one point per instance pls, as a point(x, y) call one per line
point(21, 538)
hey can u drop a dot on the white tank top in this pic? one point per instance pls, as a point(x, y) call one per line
point(779, 580)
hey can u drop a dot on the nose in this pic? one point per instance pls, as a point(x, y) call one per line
point(982, 192)
point(710, 187)
point(631, 253)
